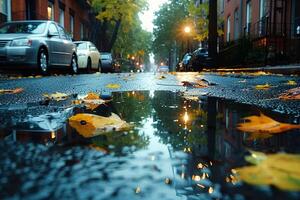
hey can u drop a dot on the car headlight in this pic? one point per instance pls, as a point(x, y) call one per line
point(21, 42)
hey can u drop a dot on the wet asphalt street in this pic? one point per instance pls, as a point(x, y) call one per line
point(232, 86)
point(177, 148)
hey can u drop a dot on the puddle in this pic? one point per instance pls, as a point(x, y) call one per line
point(177, 149)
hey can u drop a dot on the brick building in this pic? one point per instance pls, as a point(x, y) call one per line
point(73, 15)
point(271, 25)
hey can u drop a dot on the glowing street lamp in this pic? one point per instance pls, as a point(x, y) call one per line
point(187, 29)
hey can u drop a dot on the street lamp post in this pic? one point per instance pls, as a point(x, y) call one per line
point(187, 31)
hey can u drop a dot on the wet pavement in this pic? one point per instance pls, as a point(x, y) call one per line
point(177, 149)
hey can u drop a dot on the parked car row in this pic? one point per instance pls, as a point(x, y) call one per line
point(42, 44)
point(195, 61)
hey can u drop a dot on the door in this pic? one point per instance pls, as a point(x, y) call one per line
point(94, 55)
point(66, 47)
point(54, 45)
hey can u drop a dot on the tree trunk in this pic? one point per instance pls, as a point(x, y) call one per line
point(114, 35)
point(212, 28)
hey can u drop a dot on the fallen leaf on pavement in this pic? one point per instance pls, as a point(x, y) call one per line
point(291, 82)
point(280, 170)
point(243, 81)
point(262, 87)
point(264, 125)
point(113, 86)
point(14, 91)
point(56, 96)
point(198, 84)
point(89, 125)
point(161, 77)
point(292, 94)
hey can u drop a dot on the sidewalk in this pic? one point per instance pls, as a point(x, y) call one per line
point(279, 69)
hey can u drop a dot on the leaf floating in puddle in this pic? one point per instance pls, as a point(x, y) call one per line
point(280, 170)
point(292, 94)
point(91, 101)
point(14, 91)
point(89, 125)
point(264, 125)
point(262, 87)
point(56, 96)
point(113, 86)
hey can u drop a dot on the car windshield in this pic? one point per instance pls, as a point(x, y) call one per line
point(106, 56)
point(81, 46)
point(23, 27)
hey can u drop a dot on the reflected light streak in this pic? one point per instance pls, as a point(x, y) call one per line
point(186, 117)
point(210, 190)
point(53, 136)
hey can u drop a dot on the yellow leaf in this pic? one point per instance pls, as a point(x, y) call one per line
point(89, 125)
point(292, 94)
point(91, 101)
point(14, 91)
point(264, 125)
point(161, 77)
point(262, 87)
point(56, 96)
point(280, 170)
point(291, 82)
point(113, 86)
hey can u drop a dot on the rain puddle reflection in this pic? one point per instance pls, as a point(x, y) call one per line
point(176, 148)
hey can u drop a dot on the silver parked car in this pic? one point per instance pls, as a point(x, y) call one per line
point(36, 43)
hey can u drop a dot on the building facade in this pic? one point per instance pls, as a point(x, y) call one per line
point(73, 15)
point(272, 25)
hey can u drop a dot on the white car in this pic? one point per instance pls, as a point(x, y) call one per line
point(88, 56)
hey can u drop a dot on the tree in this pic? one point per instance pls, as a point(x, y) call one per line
point(167, 28)
point(135, 42)
point(111, 14)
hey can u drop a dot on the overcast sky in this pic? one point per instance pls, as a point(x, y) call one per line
point(148, 16)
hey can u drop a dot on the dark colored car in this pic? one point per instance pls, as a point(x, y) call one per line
point(200, 59)
point(36, 43)
point(107, 64)
point(184, 64)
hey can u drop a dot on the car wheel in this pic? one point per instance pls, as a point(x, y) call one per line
point(89, 66)
point(99, 66)
point(74, 65)
point(43, 61)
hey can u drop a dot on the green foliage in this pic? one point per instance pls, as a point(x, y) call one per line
point(118, 10)
point(117, 18)
point(200, 14)
point(135, 41)
point(167, 27)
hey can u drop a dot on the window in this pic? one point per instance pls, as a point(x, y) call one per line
point(81, 31)
point(228, 29)
point(72, 25)
point(3, 11)
point(50, 11)
point(248, 16)
point(61, 17)
point(62, 32)
point(236, 24)
point(53, 30)
point(262, 9)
